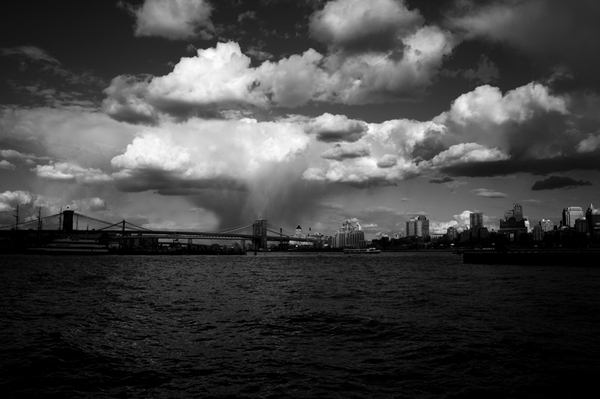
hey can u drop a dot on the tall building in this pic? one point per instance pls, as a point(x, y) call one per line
point(452, 233)
point(547, 225)
point(349, 236)
point(592, 216)
point(476, 219)
point(570, 215)
point(514, 223)
point(417, 227)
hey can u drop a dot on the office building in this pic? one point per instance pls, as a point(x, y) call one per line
point(349, 236)
point(570, 215)
point(417, 227)
point(476, 220)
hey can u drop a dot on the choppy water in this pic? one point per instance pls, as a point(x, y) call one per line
point(391, 325)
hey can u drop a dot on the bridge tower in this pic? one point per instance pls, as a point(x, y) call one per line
point(259, 228)
point(67, 224)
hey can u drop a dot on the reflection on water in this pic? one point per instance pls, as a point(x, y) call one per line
point(297, 325)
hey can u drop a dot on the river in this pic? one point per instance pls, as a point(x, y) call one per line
point(296, 325)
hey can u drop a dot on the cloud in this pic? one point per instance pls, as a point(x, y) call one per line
point(222, 78)
point(467, 153)
point(339, 152)
point(549, 31)
point(590, 144)
point(4, 164)
point(65, 171)
point(294, 81)
point(441, 180)
point(31, 52)
point(216, 79)
point(363, 25)
point(387, 161)
point(485, 72)
point(484, 192)
point(10, 199)
point(333, 128)
point(174, 19)
point(555, 182)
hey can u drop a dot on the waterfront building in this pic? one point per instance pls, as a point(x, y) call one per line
point(592, 216)
point(581, 226)
point(417, 227)
point(514, 223)
point(452, 233)
point(538, 232)
point(476, 219)
point(570, 215)
point(349, 236)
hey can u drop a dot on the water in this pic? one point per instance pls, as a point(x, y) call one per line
point(388, 325)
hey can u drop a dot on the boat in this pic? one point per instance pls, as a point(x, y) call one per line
point(72, 246)
point(360, 251)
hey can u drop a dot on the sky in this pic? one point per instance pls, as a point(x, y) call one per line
point(204, 114)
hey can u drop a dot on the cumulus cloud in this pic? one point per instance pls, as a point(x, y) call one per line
point(364, 24)
point(333, 128)
point(339, 152)
point(387, 161)
point(484, 192)
point(295, 80)
point(467, 153)
point(556, 182)
point(222, 78)
point(217, 78)
point(174, 19)
point(10, 199)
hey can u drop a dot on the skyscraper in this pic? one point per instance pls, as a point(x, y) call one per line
point(476, 219)
point(417, 227)
point(571, 214)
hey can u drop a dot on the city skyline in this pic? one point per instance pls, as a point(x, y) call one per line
point(200, 114)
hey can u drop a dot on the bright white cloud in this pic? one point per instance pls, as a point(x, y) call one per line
point(70, 172)
point(173, 19)
point(486, 104)
point(214, 76)
point(468, 152)
point(198, 151)
point(484, 192)
point(10, 199)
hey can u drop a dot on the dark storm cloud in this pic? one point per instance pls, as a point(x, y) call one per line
point(555, 182)
point(441, 180)
point(171, 183)
point(339, 152)
point(552, 32)
point(586, 161)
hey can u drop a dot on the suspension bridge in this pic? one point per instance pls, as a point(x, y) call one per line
point(70, 223)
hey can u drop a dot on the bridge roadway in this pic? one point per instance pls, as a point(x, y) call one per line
point(116, 234)
point(201, 235)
